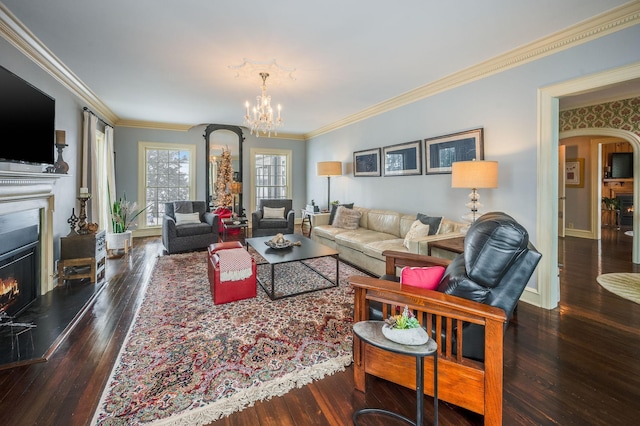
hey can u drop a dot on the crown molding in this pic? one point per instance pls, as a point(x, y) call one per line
point(16, 33)
point(601, 25)
point(606, 23)
point(153, 125)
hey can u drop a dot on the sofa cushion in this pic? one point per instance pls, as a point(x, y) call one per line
point(376, 248)
point(182, 218)
point(182, 207)
point(191, 229)
point(346, 218)
point(417, 230)
point(327, 231)
point(273, 223)
point(359, 238)
point(432, 221)
point(273, 213)
point(334, 208)
point(405, 224)
point(385, 221)
point(448, 226)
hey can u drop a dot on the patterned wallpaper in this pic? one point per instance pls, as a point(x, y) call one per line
point(623, 114)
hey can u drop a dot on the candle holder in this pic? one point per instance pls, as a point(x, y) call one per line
point(72, 221)
point(60, 166)
point(82, 223)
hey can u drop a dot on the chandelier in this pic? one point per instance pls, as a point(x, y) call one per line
point(260, 118)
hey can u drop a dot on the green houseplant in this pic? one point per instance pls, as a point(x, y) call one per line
point(123, 216)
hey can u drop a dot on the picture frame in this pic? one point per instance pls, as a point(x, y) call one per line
point(403, 159)
point(367, 162)
point(442, 151)
point(574, 173)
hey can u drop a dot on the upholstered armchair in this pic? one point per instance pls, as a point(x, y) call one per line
point(274, 216)
point(466, 313)
point(187, 225)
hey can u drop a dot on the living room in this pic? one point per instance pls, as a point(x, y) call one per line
point(504, 102)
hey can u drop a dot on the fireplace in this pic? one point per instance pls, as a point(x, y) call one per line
point(626, 209)
point(19, 261)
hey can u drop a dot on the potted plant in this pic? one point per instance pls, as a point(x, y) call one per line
point(610, 210)
point(404, 329)
point(123, 216)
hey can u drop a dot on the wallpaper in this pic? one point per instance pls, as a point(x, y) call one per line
point(623, 114)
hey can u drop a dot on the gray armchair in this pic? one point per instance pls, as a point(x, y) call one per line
point(262, 226)
point(187, 225)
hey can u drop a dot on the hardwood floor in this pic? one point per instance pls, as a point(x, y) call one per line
point(576, 364)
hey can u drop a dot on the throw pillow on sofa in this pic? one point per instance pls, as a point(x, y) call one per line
point(432, 221)
point(347, 218)
point(334, 207)
point(273, 213)
point(417, 230)
point(423, 277)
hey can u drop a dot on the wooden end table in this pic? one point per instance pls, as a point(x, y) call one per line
point(454, 245)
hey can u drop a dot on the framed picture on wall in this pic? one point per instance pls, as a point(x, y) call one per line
point(442, 151)
point(403, 159)
point(367, 162)
point(574, 173)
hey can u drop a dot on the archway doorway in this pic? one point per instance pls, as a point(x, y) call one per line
point(547, 294)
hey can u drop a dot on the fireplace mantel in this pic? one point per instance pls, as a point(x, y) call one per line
point(21, 191)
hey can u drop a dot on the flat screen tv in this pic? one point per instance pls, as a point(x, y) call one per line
point(622, 165)
point(27, 122)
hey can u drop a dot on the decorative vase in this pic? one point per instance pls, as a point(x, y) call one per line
point(405, 336)
point(121, 240)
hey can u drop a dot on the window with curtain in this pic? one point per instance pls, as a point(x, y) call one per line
point(168, 176)
point(272, 174)
point(101, 175)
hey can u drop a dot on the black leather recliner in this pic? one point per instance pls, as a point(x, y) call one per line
point(494, 269)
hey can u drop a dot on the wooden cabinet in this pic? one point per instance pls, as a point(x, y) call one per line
point(82, 256)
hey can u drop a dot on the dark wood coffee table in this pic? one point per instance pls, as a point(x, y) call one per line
point(308, 249)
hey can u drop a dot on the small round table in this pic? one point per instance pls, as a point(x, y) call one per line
point(371, 333)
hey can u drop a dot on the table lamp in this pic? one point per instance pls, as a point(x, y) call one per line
point(474, 174)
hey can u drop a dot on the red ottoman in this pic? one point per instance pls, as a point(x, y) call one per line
point(232, 272)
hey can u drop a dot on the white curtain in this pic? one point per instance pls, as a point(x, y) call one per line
point(98, 170)
point(110, 169)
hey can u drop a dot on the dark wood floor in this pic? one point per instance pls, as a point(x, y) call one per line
point(577, 364)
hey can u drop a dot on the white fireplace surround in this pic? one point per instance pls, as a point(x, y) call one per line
point(20, 191)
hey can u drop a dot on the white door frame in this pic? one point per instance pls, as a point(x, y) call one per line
point(547, 293)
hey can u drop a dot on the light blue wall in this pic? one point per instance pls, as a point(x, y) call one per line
point(68, 118)
point(505, 105)
point(126, 147)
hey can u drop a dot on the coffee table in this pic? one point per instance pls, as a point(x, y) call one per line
point(308, 249)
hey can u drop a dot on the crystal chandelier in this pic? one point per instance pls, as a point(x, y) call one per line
point(260, 118)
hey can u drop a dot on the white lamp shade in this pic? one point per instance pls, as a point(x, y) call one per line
point(474, 174)
point(329, 168)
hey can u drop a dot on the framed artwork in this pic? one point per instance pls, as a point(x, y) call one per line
point(366, 163)
point(442, 151)
point(404, 159)
point(574, 173)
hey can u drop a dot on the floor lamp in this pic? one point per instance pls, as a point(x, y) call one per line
point(474, 175)
point(328, 169)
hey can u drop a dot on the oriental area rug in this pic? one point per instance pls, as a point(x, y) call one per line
point(623, 284)
point(188, 361)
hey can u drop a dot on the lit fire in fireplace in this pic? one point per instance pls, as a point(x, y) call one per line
point(9, 291)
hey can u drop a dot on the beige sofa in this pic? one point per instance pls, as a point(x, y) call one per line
point(379, 230)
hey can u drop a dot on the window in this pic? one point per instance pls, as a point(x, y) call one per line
point(272, 174)
point(167, 175)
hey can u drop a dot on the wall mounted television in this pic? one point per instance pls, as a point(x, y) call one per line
point(27, 122)
point(621, 165)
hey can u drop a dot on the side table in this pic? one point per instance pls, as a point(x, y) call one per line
point(228, 224)
point(371, 332)
point(451, 245)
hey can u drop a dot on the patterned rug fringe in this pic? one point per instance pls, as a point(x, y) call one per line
point(248, 397)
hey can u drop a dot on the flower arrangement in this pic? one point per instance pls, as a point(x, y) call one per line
point(403, 321)
point(123, 214)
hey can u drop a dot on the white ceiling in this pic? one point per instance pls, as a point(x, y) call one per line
point(168, 61)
